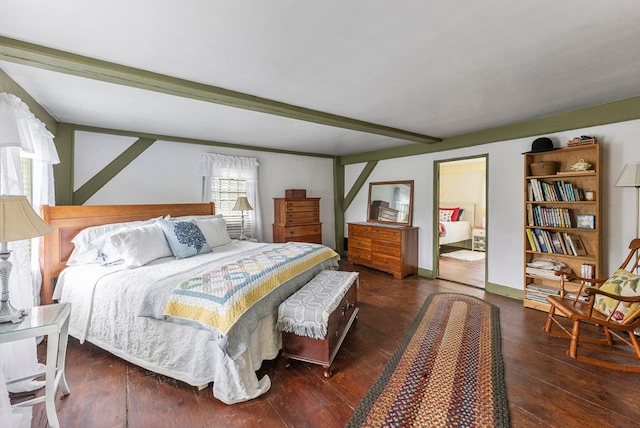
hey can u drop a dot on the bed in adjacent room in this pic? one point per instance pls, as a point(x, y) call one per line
point(457, 219)
point(165, 288)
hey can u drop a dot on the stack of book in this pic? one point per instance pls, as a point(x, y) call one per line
point(545, 241)
point(587, 270)
point(540, 292)
point(556, 191)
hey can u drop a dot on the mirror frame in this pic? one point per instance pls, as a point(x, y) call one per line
point(371, 209)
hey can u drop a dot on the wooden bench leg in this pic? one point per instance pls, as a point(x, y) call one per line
point(287, 362)
point(327, 371)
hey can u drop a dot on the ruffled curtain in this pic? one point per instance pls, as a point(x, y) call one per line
point(214, 166)
point(23, 135)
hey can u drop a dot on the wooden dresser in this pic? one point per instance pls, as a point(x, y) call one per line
point(392, 249)
point(297, 219)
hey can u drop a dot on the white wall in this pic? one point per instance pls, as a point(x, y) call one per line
point(167, 173)
point(621, 144)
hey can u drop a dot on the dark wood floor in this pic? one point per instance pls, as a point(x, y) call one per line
point(464, 272)
point(544, 387)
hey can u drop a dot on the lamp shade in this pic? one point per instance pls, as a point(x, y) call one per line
point(630, 176)
point(242, 204)
point(19, 221)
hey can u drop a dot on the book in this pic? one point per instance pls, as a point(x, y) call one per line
point(567, 243)
point(576, 245)
point(532, 240)
point(555, 242)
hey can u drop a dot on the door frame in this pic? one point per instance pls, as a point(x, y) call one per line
point(436, 212)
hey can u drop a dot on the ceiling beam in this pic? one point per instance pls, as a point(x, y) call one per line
point(64, 62)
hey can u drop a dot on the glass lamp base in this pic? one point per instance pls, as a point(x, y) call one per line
point(9, 313)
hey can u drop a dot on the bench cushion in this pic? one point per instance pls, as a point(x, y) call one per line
point(306, 312)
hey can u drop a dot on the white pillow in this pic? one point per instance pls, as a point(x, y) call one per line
point(83, 250)
point(214, 231)
point(140, 245)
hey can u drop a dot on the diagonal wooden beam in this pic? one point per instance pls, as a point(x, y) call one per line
point(96, 182)
point(64, 62)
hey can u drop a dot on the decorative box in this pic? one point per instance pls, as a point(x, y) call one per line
point(295, 193)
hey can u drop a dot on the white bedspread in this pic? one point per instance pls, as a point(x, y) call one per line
point(455, 231)
point(105, 312)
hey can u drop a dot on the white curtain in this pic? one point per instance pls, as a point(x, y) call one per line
point(23, 135)
point(215, 166)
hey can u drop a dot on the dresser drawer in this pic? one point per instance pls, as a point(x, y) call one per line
point(313, 239)
point(360, 231)
point(294, 218)
point(386, 262)
point(386, 234)
point(301, 205)
point(299, 231)
point(388, 248)
point(359, 255)
point(359, 242)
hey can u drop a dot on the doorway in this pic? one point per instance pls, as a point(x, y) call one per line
point(461, 214)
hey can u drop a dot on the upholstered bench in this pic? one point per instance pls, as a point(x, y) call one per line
point(315, 320)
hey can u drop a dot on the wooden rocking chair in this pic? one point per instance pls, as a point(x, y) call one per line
point(599, 302)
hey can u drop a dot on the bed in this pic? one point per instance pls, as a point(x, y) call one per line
point(456, 221)
point(205, 317)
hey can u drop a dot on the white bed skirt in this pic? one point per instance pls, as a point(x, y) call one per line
point(194, 357)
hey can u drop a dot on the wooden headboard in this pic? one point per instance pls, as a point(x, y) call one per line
point(68, 220)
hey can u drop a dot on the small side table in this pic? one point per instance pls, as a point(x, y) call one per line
point(51, 321)
point(479, 242)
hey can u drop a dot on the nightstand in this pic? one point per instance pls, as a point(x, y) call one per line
point(479, 241)
point(51, 321)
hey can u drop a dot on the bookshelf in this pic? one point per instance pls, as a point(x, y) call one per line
point(562, 218)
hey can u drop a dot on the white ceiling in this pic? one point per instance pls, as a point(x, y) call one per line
point(439, 68)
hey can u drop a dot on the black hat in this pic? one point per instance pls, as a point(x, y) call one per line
point(542, 144)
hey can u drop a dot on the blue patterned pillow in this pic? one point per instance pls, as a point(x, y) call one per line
point(185, 238)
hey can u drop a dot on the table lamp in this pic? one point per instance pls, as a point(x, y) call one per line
point(242, 204)
point(18, 221)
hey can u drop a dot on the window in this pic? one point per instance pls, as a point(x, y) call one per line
point(225, 192)
point(225, 179)
point(25, 165)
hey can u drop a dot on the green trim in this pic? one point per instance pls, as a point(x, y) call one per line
point(426, 273)
point(77, 65)
point(114, 167)
point(503, 290)
point(338, 208)
point(175, 139)
point(64, 171)
point(8, 85)
point(357, 185)
point(614, 112)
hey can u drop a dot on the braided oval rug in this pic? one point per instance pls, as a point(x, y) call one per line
point(447, 371)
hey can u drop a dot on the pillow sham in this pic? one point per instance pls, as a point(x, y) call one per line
point(84, 251)
point(449, 214)
point(185, 238)
point(137, 246)
point(214, 231)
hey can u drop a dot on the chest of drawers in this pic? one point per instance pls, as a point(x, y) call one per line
point(297, 219)
point(392, 249)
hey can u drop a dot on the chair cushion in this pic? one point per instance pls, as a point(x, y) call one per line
point(621, 283)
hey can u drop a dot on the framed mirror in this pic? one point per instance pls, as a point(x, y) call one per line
point(391, 202)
